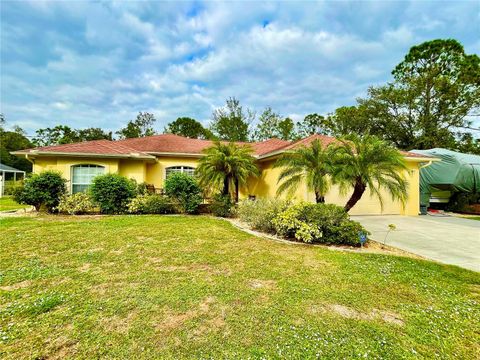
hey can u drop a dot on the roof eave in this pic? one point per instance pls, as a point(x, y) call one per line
point(76, 154)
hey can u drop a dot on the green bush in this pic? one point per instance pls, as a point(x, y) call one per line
point(260, 213)
point(75, 204)
point(184, 191)
point(12, 186)
point(150, 204)
point(222, 205)
point(461, 202)
point(44, 189)
point(112, 192)
point(322, 223)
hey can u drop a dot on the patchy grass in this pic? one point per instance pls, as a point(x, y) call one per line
point(7, 204)
point(196, 287)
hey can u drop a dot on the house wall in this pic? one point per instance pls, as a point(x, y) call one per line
point(155, 173)
point(264, 186)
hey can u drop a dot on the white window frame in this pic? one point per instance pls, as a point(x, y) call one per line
point(72, 181)
point(189, 170)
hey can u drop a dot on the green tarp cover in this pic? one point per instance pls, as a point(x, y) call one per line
point(456, 172)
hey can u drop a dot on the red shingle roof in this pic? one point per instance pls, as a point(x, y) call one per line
point(169, 143)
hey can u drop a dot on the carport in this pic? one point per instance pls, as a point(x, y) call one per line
point(10, 173)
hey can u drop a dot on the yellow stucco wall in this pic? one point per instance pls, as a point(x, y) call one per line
point(264, 186)
point(155, 173)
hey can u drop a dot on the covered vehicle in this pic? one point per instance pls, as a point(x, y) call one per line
point(456, 172)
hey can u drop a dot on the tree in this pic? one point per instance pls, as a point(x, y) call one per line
point(140, 127)
point(312, 164)
point(62, 134)
point(231, 123)
point(92, 133)
point(12, 141)
point(435, 88)
point(226, 166)
point(271, 125)
point(310, 125)
point(188, 127)
point(365, 162)
point(347, 120)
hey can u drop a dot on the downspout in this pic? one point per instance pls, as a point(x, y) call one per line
point(32, 161)
point(424, 165)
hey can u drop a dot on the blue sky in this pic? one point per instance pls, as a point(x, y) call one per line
point(98, 63)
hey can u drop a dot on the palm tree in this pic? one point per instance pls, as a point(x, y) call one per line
point(311, 163)
point(226, 166)
point(367, 161)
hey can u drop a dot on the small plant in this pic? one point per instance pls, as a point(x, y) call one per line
point(150, 204)
point(391, 227)
point(112, 192)
point(75, 204)
point(222, 205)
point(184, 191)
point(260, 213)
point(44, 189)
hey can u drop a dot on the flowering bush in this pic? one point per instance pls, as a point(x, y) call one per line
point(325, 223)
point(79, 203)
point(150, 204)
point(260, 213)
point(290, 223)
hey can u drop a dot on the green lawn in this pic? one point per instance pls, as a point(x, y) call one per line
point(196, 287)
point(7, 203)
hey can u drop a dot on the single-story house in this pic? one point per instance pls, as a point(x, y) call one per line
point(150, 159)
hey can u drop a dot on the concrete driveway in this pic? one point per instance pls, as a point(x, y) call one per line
point(446, 239)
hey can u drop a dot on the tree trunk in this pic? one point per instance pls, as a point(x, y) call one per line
point(236, 190)
point(358, 190)
point(226, 191)
point(319, 198)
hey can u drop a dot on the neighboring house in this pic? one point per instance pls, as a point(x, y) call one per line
point(151, 159)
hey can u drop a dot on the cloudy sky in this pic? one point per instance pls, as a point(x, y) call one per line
point(98, 63)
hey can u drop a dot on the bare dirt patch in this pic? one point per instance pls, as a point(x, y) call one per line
point(349, 313)
point(85, 267)
point(20, 285)
point(262, 284)
point(119, 324)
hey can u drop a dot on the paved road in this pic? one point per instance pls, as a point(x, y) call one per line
point(449, 240)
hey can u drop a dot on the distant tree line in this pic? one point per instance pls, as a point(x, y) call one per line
point(431, 101)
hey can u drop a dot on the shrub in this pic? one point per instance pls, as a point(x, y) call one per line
point(184, 191)
point(79, 203)
point(150, 204)
point(112, 192)
point(44, 189)
point(11, 187)
point(324, 223)
point(461, 202)
point(142, 188)
point(222, 205)
point(260, 213)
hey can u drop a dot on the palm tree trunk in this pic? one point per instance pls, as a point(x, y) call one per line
point(226, 190)
point(236, 190)
point(358, 190)
point(319, 198)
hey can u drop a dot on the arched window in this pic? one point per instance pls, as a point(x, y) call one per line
point(183, 169)
point(82, 176)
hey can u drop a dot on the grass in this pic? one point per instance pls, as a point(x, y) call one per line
point(7, 204)
point(196, 287)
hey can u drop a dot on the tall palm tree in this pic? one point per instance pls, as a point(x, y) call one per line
point(311, 163)
point(367, 161)
point(226, 166)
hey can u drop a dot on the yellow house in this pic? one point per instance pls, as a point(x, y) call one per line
point(151, 159)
